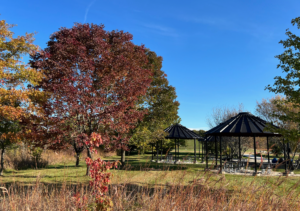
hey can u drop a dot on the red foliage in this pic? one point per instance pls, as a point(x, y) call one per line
point(101, 178)
point(80, 201)
point(94, 78)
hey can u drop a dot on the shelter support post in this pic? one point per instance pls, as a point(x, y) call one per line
point(206, 154)
point(284, 151)
point(157, 151)
point(288, 154)
point(255, 161)
point(152, 150)
point(161, 150)
point(268, 150)
point(175, 151)
point(195, 151)
point(178, 149)
point(199, 148)
point(216, 151)
point(220, 154)
point(226, 144)
point(240, 153)
point(202, 150)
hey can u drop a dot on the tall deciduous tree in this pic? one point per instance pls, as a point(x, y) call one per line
point(162, 106)
point(269, 110)
point(14, 74)
point(16, 100)
point(8, 131)
point(288, 85)
point(95, 78)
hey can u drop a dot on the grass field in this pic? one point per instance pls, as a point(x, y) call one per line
point(140, 172)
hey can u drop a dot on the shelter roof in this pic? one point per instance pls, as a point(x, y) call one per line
point(177, 131)
point(243, 124)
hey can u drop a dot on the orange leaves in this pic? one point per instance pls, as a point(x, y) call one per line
point(96, 139)
point(15, 100)
point(11, 136)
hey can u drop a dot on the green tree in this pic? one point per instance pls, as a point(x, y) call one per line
point(162, 106)
point(269, 110)
point(200, 132)
point(9, 128)
point(288, 85)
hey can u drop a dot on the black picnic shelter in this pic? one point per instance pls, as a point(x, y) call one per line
point(178, 131)
point(243, 124)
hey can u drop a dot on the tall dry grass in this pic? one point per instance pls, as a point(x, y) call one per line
point(202, 193)
point(21, 158)
point(68, 156)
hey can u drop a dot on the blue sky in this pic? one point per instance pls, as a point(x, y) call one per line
point(216, 53)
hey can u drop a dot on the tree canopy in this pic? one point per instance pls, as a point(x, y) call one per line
point(160, 101)
point(288, 85)
point(94, 79)
point(17, 101)
point(14, 75)
point(269, 110)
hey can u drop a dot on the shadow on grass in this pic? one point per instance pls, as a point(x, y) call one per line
point(151, 167)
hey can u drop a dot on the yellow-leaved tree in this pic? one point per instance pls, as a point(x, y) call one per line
point(17, 100)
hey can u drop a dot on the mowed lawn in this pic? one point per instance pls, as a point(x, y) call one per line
point(139, 170)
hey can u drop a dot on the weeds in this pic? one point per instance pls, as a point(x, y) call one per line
point(202, 193)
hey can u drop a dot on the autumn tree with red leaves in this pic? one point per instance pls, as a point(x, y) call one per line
point(94, 78)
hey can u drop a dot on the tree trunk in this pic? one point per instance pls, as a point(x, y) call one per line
point(78, 151)
point(123, 157)
point(89, 154)
point(77, 158)
point(2, 162)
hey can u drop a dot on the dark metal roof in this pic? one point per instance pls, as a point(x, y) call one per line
point(243, 124)
point(209, 138)
point(177, 131)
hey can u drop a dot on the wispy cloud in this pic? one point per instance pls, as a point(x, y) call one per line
point(87, 10)
point(209, 21)
point(253, 29)
point(162, 30)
